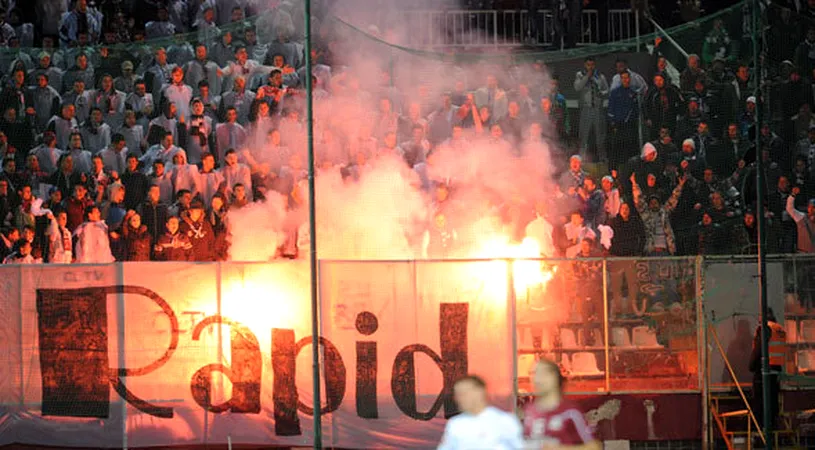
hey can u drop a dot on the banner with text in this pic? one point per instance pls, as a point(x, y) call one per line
point(156, 354)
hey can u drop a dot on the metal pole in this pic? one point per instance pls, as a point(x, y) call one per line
point(762, 231)
point(312, 229)
point(667, 36)
point(606, 323)
point(637, 28)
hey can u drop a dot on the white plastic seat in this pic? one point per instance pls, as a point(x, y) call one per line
point(791, 328)
point(620, 337)
point(645, 337)
point(806, 360)
point(807, 331)
point(585, 363)
point(567, 338)
point(526, 365)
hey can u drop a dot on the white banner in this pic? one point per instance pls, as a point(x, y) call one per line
point(153, 354)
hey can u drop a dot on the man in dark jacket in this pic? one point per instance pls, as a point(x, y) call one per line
point(628, 241)
point(153, 213)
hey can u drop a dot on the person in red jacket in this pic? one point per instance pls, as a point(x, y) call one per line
point(76, 206)
point(136, 238)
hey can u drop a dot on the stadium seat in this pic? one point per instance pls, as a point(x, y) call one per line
point(585, 363)
point(567, 338)
point(620, 337)
point(645, 337)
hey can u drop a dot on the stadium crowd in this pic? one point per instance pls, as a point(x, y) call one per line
point(141, 152)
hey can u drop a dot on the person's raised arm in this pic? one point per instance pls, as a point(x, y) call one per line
point(639, 203)
point(796, 215)
point(670, 205)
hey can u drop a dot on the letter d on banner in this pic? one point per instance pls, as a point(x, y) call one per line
point(453, 364)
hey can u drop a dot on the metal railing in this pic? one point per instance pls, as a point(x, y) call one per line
point(503, 28)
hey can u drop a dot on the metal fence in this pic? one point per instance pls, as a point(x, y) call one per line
point(502, 28)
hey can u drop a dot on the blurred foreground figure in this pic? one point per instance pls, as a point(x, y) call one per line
point(479, 426)
point(551, 422)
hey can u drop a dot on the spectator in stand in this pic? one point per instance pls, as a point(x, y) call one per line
point(95, 132)
point(163, 179)
point(92, 241)
point(659, 236)
point(21, 254)
point(16, 95)
point(230, 134)
point(81, 158)
point(184, 176)
point(154, 213)
point(45, 100)
point(161, 27)
point(692, 73)
point(662, 106)
point(611, 196)
point(173, 245)
point(217, 215)
point(126, 82)
point(623, 117)
point(747, 235)
point(47, 153)
point(200, 133)
point(592, 89)
point(210, 181)
point(239, 98)
point(135, 183)
point(63, 125)
point(805, 222)
point(110, 101)
point(178, 93)
point(163, 151)
point(713, 237)
point(60, 242)
point(234, 173)
point(81, 71)
point(114, 156)
point(133, 134)
point(136, 238)
point(629, 241)
point(199, 231)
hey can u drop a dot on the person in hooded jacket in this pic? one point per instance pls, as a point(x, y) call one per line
point(173, 245)
point(92, 242)
point(136, 238)
point(199, 231)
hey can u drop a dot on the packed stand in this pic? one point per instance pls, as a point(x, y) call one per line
point(142, 153)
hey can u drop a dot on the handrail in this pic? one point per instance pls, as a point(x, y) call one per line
point(730, 370)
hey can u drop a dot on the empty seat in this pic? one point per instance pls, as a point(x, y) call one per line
point(585, 363)
point(620, 337)
point(807, 331)
point(806, 360)
point(567, 339)
point(791, 327)
point(526, 365)
point(645, 337)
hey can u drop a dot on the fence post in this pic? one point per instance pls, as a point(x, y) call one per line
point(606, 322)
point(120, 338)
point(513, 323)
point(702, 353)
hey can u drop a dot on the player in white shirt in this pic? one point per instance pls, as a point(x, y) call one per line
point(479, 426)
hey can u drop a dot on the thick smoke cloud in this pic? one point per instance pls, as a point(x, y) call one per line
point(383, 208)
